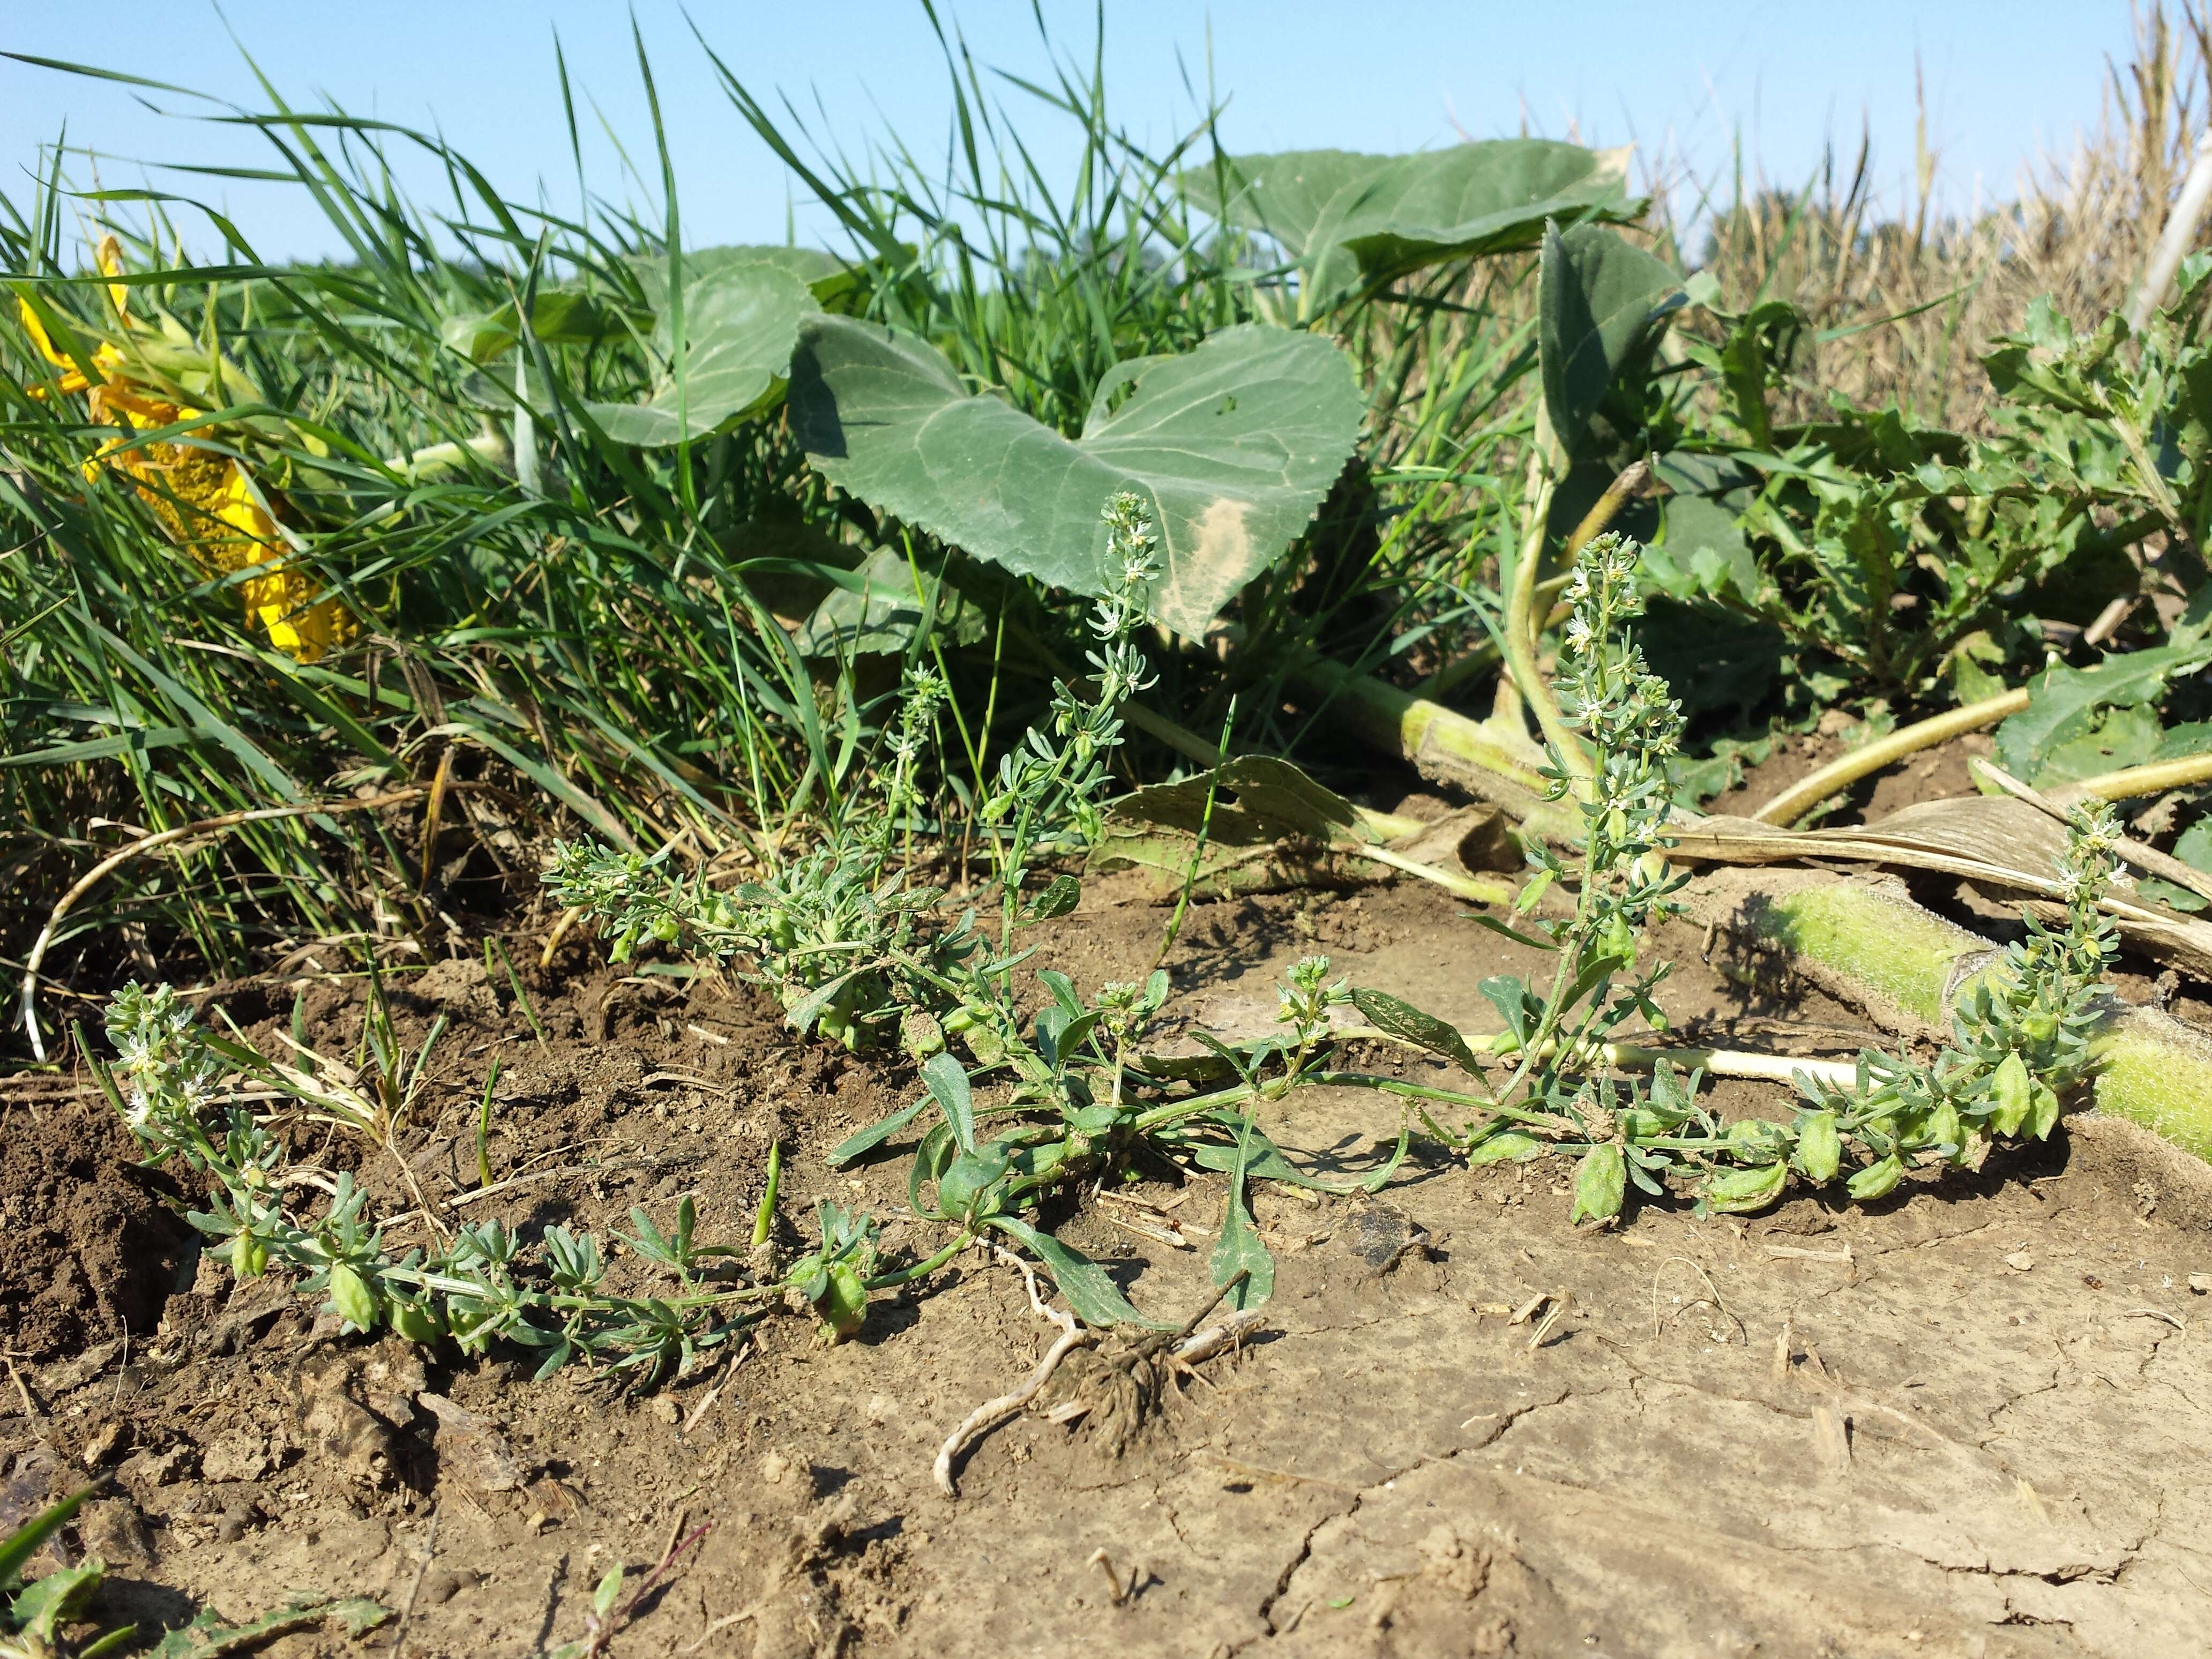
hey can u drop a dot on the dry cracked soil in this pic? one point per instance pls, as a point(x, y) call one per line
point(1971, 1420)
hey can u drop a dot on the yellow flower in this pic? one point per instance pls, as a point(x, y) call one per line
point(207, 501)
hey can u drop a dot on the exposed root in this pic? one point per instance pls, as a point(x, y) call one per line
point(991, 1413)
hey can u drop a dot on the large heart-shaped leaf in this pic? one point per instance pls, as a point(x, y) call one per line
point(740, 321)
point(1602, 306)
point(1351, 219)
point(827, 276)
point(1233, 445)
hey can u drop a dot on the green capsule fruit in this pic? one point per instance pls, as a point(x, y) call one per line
point(249, 1256)
point(1819, 1147)
point(1877, 1180)
point(2043, 1116)
point(1618, 938)
point(2039, 1027)
point(354, 1301)
point(413, 1320)
point(664, 929)
point(2012, 1096)
point(1600, 1184)
point(1740, 1192)
point(842, 1304)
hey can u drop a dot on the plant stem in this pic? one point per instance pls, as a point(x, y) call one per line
point(1808, 792)
point(2154, 779)
point(483, 1129)
point(921, 1269)
point(1520, 636)
point(1909, 967)
point(764, 1217)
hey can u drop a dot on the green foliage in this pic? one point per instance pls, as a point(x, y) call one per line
point(740, 323)
point(2060, 734)
point(1356, 222)
point(1231, 447)
point(2020, 1032)
point(1909, 554)
point(478, 1285)
point(1602, 306)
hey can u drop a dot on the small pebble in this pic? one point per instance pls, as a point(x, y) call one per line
point(538, 1521)
point(667, 1409)
point(236, 1522)
point(2020, 1261)
point(774, 1468)
point(102, 1445)
point(443, 1585)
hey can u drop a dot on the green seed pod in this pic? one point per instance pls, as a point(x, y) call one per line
point(249, 1256)
point(664, 929)
point(1601, 1183)
point(1640, 1123)
point(2043, 1116)
point(1819, 1147)
point(1877, 1180)
point(2012, 1096)
point(1618, 938)
point(355, 1302)
point(415, 1321)
point(1740, 1192)
point(843, 1305)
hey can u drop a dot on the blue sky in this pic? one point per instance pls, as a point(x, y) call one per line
point(2007, 83)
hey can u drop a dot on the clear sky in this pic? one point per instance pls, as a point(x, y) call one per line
point(2007, 81)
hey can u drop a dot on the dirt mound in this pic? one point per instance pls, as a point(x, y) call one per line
point(90, 1245)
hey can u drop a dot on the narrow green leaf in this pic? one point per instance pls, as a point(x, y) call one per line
point(846, 1151)
point(1095, 1297)
point(947, 1083)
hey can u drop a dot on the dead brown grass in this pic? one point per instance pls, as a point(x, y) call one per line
point(2080, 228)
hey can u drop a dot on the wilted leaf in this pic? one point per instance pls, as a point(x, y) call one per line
point(208, 1638)
point(1403, 1020)
point(1234, 445)
point(1272, 827)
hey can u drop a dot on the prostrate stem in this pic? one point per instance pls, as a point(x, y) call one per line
point(1908, 966)
point(1808, 792)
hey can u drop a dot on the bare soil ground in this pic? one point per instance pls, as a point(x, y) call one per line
point(1971, 1420)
